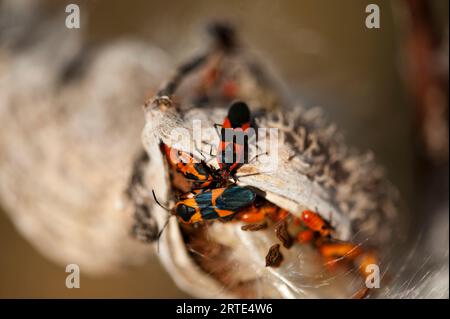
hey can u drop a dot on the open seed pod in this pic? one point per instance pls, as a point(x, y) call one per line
point(314, 170)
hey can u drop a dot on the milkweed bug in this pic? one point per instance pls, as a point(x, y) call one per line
point(255, 213)
point(234, 139)
point(213, 204)
point(205, 176)
point(225, 42)
point(197, 171)
point(339, 250)
point(336, 251)
point(201, 205)
point(305, 236)
point(252, 214)
point(315, 223)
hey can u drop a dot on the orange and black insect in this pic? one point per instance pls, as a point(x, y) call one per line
point(258, 213)
point(233, 147)
point(305, 236)
point(198, 171)
point(316, 223)
point(336, 251)
point(201, 205)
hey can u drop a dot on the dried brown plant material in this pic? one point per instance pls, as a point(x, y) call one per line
point(274, 256)
point(254, 227)
point(283, 234)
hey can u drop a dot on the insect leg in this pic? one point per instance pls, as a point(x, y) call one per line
point(219, 132)
point(171, 86)
point(157, 202)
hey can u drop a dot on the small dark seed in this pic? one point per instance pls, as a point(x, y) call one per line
point(283, 235)
point(274, 256)
point(254, 227)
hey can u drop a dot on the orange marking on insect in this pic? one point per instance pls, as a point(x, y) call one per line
point(255, 214)
point(210, 78)
point(368, 258)
point(190, 167)
point(340, 250)
point(305, 236)
point(190, 202)
point(215, 193)
point(252, 215)
point(279, 214)
point(314, 222)
point(230, 89)
point(296, 220)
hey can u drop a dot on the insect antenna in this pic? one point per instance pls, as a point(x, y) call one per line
point(160, 233)
point(216, 127)
point(251, 174)
point(246, 175)
point(256, 156)
point(157, 202)
point(166, 222)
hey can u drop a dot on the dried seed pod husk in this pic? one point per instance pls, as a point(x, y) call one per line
point(274, 256)
point(254, 227)
point(282, 234)
point(315, 171)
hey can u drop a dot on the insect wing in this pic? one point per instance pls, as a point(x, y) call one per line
point(187, 165)
point(231, 153)
point(204, 202)
point(222, 202)
point(234, 198)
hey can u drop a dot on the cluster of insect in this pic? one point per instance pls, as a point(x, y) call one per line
point(214, 195)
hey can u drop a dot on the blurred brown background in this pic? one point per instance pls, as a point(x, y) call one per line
point(320, 49)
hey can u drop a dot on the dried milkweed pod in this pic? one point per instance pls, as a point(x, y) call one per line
point(359, 206)
point(315, 170)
